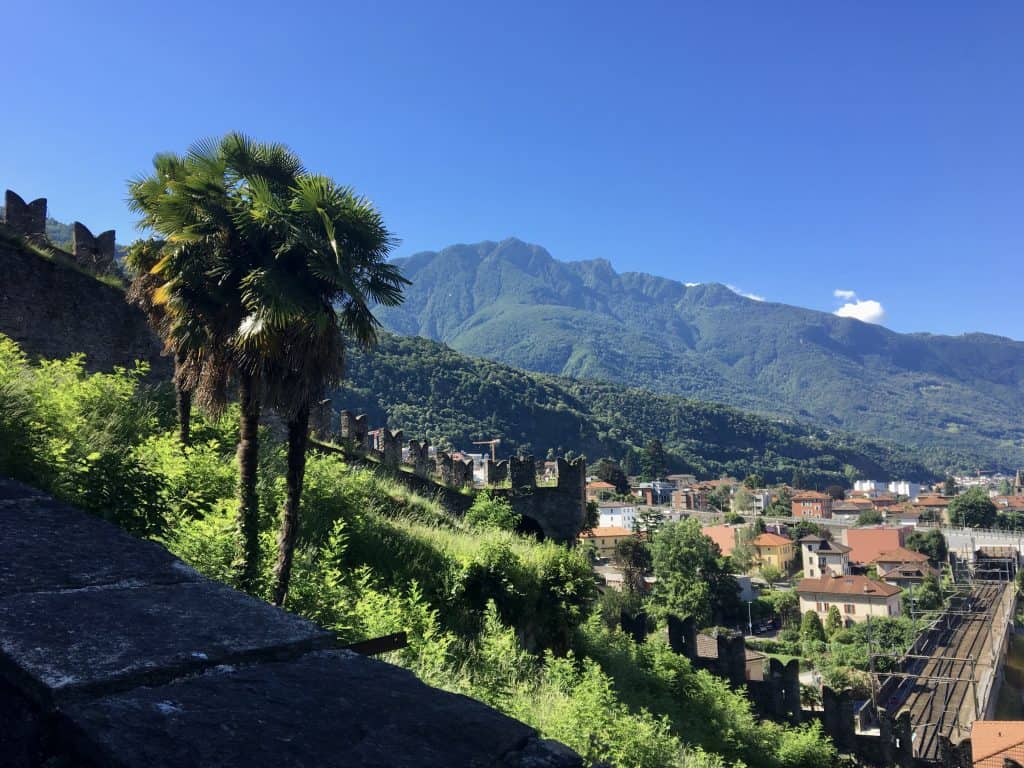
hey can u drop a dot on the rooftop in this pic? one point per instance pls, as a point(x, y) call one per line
point(846, 585)
point(900, 555)
point(771, 540)
point(605, 532)
point(993, 740)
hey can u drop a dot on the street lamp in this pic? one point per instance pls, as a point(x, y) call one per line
point(750, 620)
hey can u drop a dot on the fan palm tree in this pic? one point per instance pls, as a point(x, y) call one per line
point(141, 257)
point(197, 203)
point(329, 269)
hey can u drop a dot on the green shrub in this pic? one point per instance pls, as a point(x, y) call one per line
point(489, 511)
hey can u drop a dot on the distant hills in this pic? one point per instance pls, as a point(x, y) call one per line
point(432, 391)
point(957, 401)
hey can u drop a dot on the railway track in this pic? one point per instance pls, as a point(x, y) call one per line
point(941, 706)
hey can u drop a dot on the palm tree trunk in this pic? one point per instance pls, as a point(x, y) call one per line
point(298, 436)
point(248, 501)
point(183, 402)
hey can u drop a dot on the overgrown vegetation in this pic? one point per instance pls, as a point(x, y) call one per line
point(490, 614)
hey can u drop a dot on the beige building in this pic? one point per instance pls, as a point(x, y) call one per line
point(822, 557)
point(605, 539)
point(856, 597)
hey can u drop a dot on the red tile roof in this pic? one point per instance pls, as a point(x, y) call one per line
point(771, 540)
point(811, 496)
point(993, 740)
point(846, 585)
point(900, 555)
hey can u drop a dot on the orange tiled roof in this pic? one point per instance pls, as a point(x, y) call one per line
point(846, 585)
point(771, 540)
point(811, 496)
point(723, 535)
point(993, 740)
point(900, 555)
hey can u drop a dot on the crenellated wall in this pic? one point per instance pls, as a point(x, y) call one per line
point(559, 510)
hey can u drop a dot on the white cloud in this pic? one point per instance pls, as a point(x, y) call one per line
point(691, 285)
point(839, 293)
point(746, 295)
point(866, 310)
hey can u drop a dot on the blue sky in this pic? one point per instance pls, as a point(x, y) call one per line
point(792, 150)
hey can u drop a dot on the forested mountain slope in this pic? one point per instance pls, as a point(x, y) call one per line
point(957, 399)
point(429, 390)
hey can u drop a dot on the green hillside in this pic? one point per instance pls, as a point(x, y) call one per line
point(430, 390)
point(956, 399)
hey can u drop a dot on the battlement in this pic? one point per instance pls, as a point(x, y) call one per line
point(522, 472)
point(558, 511)
point(354, 430)
point(93, 253)
point(27, 220)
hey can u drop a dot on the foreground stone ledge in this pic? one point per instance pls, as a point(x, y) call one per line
point(49, 546)
point(114, 653)
point(97, 640)
point(325, 709)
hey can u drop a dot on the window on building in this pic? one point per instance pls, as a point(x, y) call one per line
point(849, 608)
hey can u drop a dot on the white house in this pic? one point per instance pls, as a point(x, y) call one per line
point(617, 514)
point(856, 597)
point(822, 557)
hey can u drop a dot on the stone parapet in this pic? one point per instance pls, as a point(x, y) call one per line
point(114, 654)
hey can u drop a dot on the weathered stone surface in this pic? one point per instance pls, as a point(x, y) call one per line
point(46, 545)
point(100, 639)
point(12, 489)
point(327, 709)
point(112, 653)
point(89, 317)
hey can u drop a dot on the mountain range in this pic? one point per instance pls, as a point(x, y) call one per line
point(430, 391)
point(956, 401)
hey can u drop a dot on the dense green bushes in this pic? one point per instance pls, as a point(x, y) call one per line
point(488, 613)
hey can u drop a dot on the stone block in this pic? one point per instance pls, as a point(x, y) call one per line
point(25, 219)
point(48, 546)
point(93, 252)
point(329, 709)
point(95, 640)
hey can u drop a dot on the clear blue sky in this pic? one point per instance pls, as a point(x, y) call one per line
point(789, 149)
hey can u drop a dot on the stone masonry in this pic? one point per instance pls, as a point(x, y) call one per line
point(114, 654)
point(27, 220)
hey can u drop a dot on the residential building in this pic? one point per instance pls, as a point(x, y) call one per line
point(870, 486)
point(724, 536)
point(682, 481)
point(774, 550)
point(599, 490)
point(868, 542)
point(903, 567)
point(812, 504)
point(654, 493)
point(846, 511)
point(822, 557)
point(762, 500)
point(1009, 503)
point(905, 514)
point(905, 488)
point(933, 507)
point(857, 597)
point(605, 538)
point(616, 513)
point(689, 499)
point(997, 743)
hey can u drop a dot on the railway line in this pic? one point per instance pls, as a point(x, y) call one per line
point(939, 684)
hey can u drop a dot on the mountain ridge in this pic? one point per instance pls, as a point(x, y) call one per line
point(512, 301)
